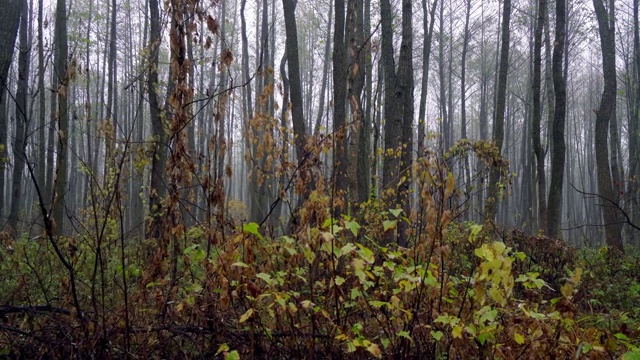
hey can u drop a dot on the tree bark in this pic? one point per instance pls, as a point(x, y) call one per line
point(340, 158)
point(61, 54)
point(157, 190)
point(559, 147)
point(360, 148)
point(41, 165)
point(537, 116)
point(426, 55)
point(398, 110)
point(293, 62)
point(8, 33)
point(19, 147)
point(498, 122)
point(634, 125)
point(325, 74)
point(610, 213)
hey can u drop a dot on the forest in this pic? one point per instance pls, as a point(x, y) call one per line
point(320, 179)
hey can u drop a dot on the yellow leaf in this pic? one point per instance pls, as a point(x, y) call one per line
point(567, 290)
point(449, 186)
point(374, 349)
point(246, 316)
point(457, 332)
point(611, 345)
point(576, 276)
point(518, 338)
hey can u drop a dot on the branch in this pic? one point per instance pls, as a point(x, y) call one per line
point(614, 203)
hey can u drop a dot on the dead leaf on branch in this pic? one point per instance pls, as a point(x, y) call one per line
point(213, 25)
point(227, 57)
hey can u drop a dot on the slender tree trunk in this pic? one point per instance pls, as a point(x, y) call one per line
point(340, 159)
point(634, 125)
point(463, 94)
point(398, 109)
point(444, 118)
point(559, 148)
point(426, 55)
point(159, 154)
point(10, 21)
point(498, 123)
point(293, 62)
point(19, 149)
point(360, 147)
point(609, 200)
point(325, 74)
point(406, 89)
point(42, 107)
point(60, 186)
point(537, 116)
point(548, 72)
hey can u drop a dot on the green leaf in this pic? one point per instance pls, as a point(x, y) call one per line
point(265, 277)
point(632, 355)
point(352, 226)
point(224, 347)
point(405, 334)
point(389, 224)
point(378, 304)
point(395, 212)
point(339, 280)
point(349, 247)
point(621, 336)
point(355, 293)
point(366, 254)
point(240, 264)
point(233, 355)
point(482, 338)
point(437, 335)
point(252, 228)
point(475, 230)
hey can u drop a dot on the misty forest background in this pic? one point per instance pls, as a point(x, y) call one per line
point(135, 132)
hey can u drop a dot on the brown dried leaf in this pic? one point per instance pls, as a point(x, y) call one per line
point(212, 24)
point(227, 57)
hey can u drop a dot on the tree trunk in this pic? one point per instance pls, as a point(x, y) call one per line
point(325, 74)
point(634, 125)
point(463, 96)
point(293, 61)
point(360, 148)
point(19, 154)
point(42, 107)
point(157, 190)
point(426, 55)
point(610, 213)
point(498, 122)
point(61, 54)
point(8, 33)
point(537, 116)
point(559, 148)
point(340, 159)
point(444, 118)
point(398, 110)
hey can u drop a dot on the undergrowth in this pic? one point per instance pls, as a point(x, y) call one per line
point(331, 288)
